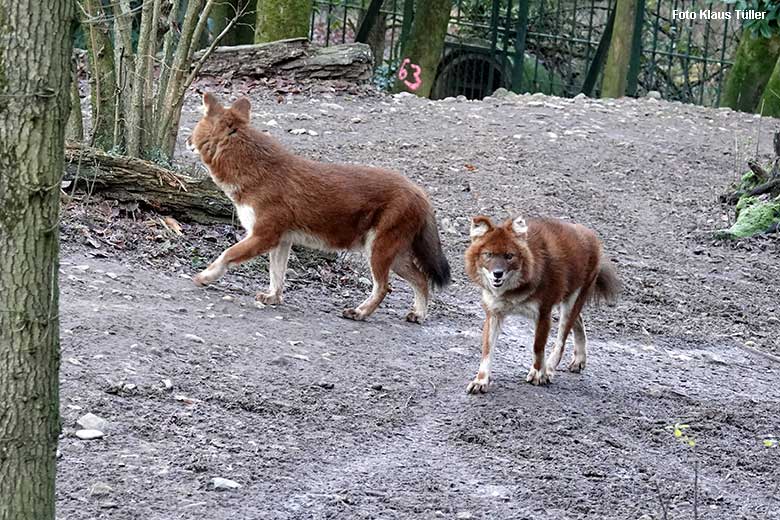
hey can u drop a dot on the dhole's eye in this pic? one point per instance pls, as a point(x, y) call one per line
point(487, 255)
point(509, 256)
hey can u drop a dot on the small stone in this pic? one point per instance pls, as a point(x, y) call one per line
point(167, 384)
point(464, 515)
point(517, 136)
point(193, 337)
point(502, 93)
point(280, 361)
point(312, 132)
point(112, 276)
point(259, 305)
point(88, 435)
point(402, 95)
point(326, 385)
point(376, 386)
point(228, 298)
point(272, 123)
point(579, 97)
point(356, 120)
point(222, 484)
point(332, 106)
point(298, 131)
point(100, 489)
point(653, 94)
point(91, 421)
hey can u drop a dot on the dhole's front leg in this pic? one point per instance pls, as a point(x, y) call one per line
point(490, 332)
point(248, 248)
point(540, 373)
point(277, 268)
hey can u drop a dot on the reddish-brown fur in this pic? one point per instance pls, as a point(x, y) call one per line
point(333, 206)
point(536, 265)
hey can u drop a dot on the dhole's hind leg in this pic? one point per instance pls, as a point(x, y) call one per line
point(574, 322)
point(564, 328)
point(277, 268)
point(580, 347)
point(404, 267)
point(380, 258)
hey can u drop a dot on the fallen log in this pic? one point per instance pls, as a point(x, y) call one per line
point(131, 179)
point(294, 58)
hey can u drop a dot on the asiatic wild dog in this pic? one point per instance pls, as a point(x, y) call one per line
point(282, 199)
point(529, 268)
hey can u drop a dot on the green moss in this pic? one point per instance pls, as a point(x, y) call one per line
point(751, 71)
point(754, 217)
point(3, 30)
point(281, 19)
point(745, 202)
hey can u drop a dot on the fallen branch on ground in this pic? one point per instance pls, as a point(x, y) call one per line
point(132, 179)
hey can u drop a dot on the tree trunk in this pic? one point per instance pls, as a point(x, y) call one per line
point(376, 37)
point(422, 53)
point(74, 129)
point(133, 179)
point(616, 69)
point(288, 58)
point(35, 71)
point(243, 33)
point(770, 101)
point(101, 73)
point(282, 19)
point(750, 72)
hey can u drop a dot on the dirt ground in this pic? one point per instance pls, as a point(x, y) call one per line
point(319, 417)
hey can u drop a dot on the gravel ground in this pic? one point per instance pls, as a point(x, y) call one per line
point(319, 417)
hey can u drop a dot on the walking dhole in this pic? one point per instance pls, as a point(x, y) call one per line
point(529, 268)
point(282, 199)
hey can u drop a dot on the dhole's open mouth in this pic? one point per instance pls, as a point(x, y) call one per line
point(497, 284)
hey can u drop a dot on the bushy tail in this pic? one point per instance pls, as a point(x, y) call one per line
point(607, 286)
point(429, 255)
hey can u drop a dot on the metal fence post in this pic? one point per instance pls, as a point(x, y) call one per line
point(522, 30)
point(636, 49)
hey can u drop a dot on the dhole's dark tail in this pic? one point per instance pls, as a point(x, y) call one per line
point(607, 286)
point(430, 258)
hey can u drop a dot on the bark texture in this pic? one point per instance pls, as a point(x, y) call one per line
point(425, 45)
point(770, 101)
point(616, 69)
point(132, 179)
point(34, 107)
point(295, 57)
point(102, 79)
point(751, 70)
point(281, 19)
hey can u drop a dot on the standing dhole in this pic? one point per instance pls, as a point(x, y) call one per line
point(282, 199)
point(528, 268)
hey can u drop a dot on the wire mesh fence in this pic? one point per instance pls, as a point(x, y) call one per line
point(551, 46)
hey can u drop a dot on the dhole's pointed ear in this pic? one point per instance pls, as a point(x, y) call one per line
point(210, 104)
point(479, 226)
point(242, 106)
point(519, 226)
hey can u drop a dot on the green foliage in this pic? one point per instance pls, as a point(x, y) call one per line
point(754, 216)
point(770, 442)
point(770, 25)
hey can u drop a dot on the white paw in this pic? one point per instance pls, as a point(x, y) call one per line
point(211, 274)
point(577, 364)
point(268, 299)
point(478, 386)
point(353, 314)
point(539, 377)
